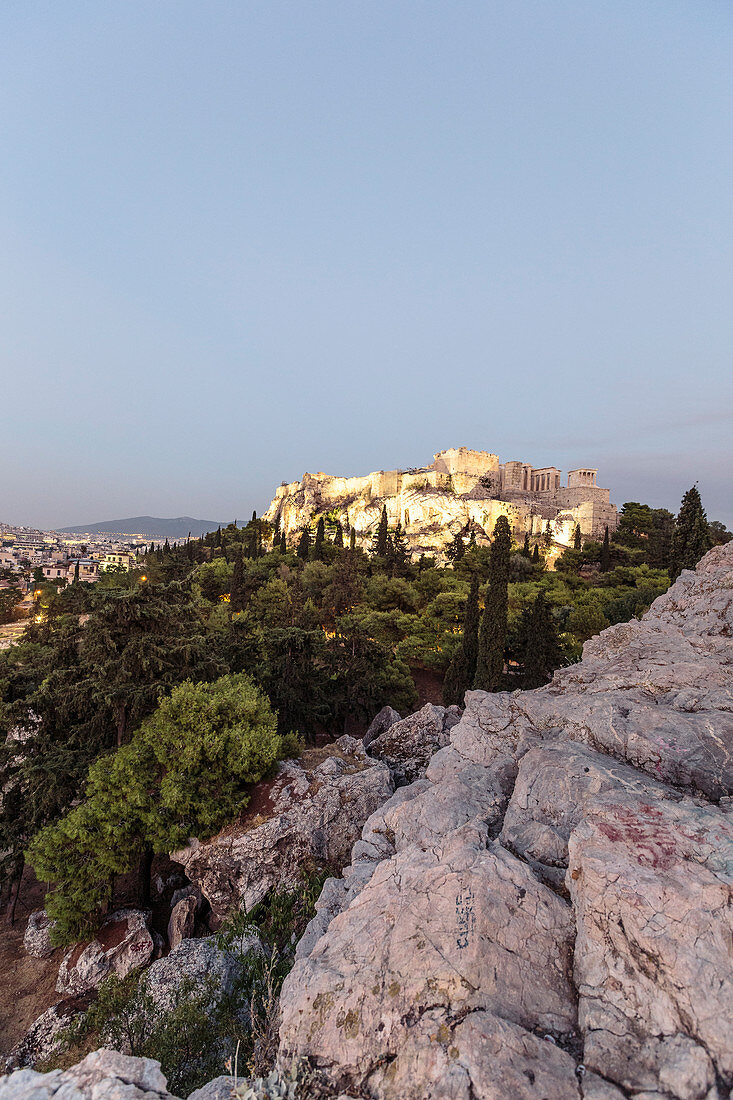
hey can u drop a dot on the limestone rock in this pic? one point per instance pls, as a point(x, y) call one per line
point(37, 938)
point(195, 964)
point(439, 964)
point(124, 943)
point(386, 717)
point(652, 883)
point(43, 1036)
point(221, 1088)
point(461, 925)
point(102, 1075)
point(312, 811)
point(182, 919)
point(406, 746)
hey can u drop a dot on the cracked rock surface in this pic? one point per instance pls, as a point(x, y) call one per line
point(545, 911)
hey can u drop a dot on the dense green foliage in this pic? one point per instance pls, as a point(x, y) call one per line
point(329, 633)
point(184, 773)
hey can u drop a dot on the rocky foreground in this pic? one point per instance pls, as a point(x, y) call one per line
point(544, 910)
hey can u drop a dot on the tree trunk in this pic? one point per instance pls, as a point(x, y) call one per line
point(146, 867)
point(15, 891)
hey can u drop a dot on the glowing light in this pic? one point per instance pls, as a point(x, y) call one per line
point(143, 579)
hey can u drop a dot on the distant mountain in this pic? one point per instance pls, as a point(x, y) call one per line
point(149, 526)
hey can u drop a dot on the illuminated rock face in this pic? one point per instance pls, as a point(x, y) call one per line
point(461, 491)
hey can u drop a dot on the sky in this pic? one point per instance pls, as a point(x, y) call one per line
point(242, 240)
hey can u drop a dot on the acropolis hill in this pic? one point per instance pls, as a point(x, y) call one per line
point(461, 491)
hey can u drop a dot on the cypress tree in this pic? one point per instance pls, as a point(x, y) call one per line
point(217, 537)
point(462, 668)
point(236, 595)
point(493, 631)
point(577, 538)
point(605, 553)
point(525, 549)
point(320, 535)
point(536, 555)
point(304, 545)
point(338, 538)
point(352, 539)
point(547, 535)
point(398, 551)
point(283, 544)
point(455, 551)
point(276, 533)
point(381, 542)
point(691, 539)
point(541, 647)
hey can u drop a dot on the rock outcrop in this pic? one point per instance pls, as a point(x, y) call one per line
point(544, 913)
point(407, 744)
point(313, 811)
point(124, 943)
point(547, 911)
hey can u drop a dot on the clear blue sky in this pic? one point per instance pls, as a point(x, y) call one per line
point(242, 240)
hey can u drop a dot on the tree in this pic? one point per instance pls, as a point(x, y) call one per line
point(456, 549)
point(380, 543)
point(338, 538)
point(237, 592)
point(541, 646)
point(536, 555)
point(605, 553)
point(320, 536)
point(462, 669)
point(525, 548)
point(493, 631)
point(397, 553)
point(547, 535)
point(352, 539)
point(304, 545)
point(185, 773)
point(276, 534)
point(577, 538)
point(691, 539)
point(283, 544)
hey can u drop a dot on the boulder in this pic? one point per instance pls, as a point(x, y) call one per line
point(102, 1075)
point(311, 812)
point(37, 938)
point(43, 1036)
point(464, 925)
point(386, 717)
point(651, 883)
point(182, 919)
point(195, 965)
point(406, 746)
point(124, 943)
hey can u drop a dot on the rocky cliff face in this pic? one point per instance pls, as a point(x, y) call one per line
point(545, 911)
point(548, 912)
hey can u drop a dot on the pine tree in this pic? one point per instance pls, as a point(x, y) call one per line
point(320, 536)
point(237, 594)
point(541, 646)
point(493, 631)
point(605, 553)
point(577, 538)
point(338, 538)
point(304, 545)
point(691, 539)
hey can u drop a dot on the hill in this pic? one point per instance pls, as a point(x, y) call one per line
point(150, 526)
